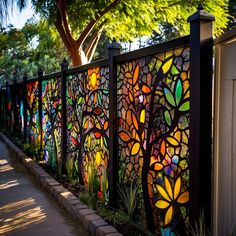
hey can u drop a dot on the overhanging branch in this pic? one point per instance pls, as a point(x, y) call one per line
point(93, 22)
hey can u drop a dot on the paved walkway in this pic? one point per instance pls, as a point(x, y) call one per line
point(27, 210)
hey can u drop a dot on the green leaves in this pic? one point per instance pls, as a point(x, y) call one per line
point(178, 91)
point(167, 117)
point(185, 106)
point(174, 98)
point(169, 96)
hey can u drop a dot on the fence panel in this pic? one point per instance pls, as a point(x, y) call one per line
point(20, 110)
point(88, 114)
point(33, 134)
point(9, 108)
point(51, 122)
point(153, 117)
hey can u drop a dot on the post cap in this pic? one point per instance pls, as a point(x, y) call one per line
point(64, 64)
point(40, 72)
point(114, 45)
point(201, 14)
point(25, 76)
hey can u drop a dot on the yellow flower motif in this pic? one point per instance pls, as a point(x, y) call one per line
point(170, 197)
point(94, 76)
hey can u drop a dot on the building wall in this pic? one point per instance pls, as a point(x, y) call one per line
point(224, 191)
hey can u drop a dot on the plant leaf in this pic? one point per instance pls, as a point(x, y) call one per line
point(167, 117)
point(178, 91)
point(166, 66)
point(169, 96)
point(184, 106)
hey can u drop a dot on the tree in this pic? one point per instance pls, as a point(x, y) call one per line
point(81, 23)
point(34, 46)
point(7, 5)
point(166, 32)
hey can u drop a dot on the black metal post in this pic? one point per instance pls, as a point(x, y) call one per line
point(1, 107)
point(14, 102)
point(64, 67)
point(201, 48)
point(25, 106)
point(114, 49)
point(6, 106)
point(40, 108)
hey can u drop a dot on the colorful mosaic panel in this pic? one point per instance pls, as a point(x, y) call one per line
point(153, 113)
point(3, 106)
point(51, 122)
point(87, 115)
point(20, 108)
point(33, 131)
point(9, 110)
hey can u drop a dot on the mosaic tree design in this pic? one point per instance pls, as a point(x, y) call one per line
point(9, 109)
point(3, 106)
point(20, 107)
point(87, 112)
point(33, 132)
point(153, 113)
point(51, 122)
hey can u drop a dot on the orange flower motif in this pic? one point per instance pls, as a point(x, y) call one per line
point(170, 197)
point(94, 76)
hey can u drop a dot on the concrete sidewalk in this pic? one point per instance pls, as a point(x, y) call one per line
point(25, 209)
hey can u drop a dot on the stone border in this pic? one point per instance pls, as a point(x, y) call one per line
point(81, 212)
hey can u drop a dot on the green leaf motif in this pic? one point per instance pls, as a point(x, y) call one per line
point(70, 126)
point(99, 99)
point(167, 117)
point(80, 100)
point(178, 91)
point(169, 96)
point(184, 106)
point(70, 101)
point(174, 70)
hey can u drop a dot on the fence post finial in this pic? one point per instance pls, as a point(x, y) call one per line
point(114, 45)
point(40, 72)
point(64, 64)
point(200, 7)
point(25, 76)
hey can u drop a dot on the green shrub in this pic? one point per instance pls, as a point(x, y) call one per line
point(128, 194)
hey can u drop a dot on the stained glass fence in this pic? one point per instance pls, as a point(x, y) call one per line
point(144, 140)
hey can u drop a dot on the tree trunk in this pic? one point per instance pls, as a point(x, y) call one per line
point(78, 56)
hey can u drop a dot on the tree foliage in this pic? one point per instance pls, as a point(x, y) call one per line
point(35, 46)
point(80, 23)
point(7, 5)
